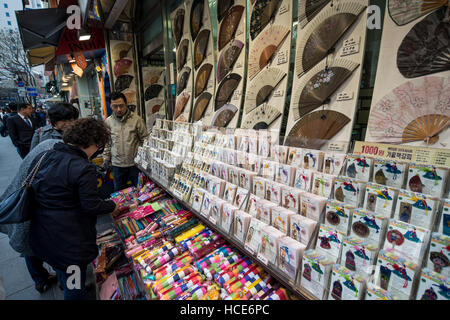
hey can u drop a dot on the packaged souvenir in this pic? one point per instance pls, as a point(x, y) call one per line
point(301, 228)
point(338, 215)
point(285, 174)
point(279, 153)
point(251, 204)
point(346, 284)
point(290, 254)
point(416, 208)
point(358, 255)
point(273, 192)
point(269, 169)
point(227, 217)
point(444, 224)
point(329, 242)
point(433, 286)
point(374, 292)
point(439, 254)
point(243, 144)
point(429, 180)
point(303, 179)
point(369, 225)
point(241, 222)
point(253, 144)
point(295, 157)
point(253, 237)
point(281, 219)
point(246, 178)
point(359, 167)
point(217, 186)
point(216, 210)
point(312, 206)
point(233, 175)
point(396, 274)
point(240, 199)
point(312, 159)
point(389, 173)
point(230, 192)
point(263, 145)
point(231, 157)
point(206, 205)
point(259, 186)
point(268, 250)
point(333, 163)
point(197, 198)
point(316, 272)
point(290, 198)
point(264, 211)
point(322, 184)
point(349, 191)
point(380, 199)
point(223, 170)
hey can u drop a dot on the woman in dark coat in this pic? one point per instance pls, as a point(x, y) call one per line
point(63, 230)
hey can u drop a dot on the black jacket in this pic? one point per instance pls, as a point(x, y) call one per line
point(19, 132)
point(67, 204)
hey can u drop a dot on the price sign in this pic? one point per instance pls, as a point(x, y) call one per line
point(263, 259)
point(212, 219)
point(351, 46)
point(249, 249)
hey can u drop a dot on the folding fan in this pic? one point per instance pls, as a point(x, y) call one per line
point(178, 25)
point(316, 128)
point(152, 91)
point(308, 9)
point(196, 17)
point(404, 12)
point(321, 83)
point(324, 32)
point(122, 66)
point(265, 47)
point(263, 12)
point(151, 76)
point(200, 45)
point(182, 100)
point(129, 95)
point(120, 51)
point(223, 117)
point(202, 78)
point(415, 111)
point(181, 118)
point(229, 25)
point(182, 53)
point(201, 105)
point(183, 79)
point(426, 48)
point(123, 82)
point(222, 8)
point(228, 58)
point(262, 87)
point(153, 106)
point(226, 89)
point(261, 118)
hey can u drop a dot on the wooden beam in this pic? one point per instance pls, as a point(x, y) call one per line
point(115, 12)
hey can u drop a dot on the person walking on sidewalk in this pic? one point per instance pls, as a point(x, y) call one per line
point(128, 132)
point(62, 231)
point(21, 129)
point(61, 116)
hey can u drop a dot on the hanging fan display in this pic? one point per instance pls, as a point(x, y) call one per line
point(129, 95)
point(123, 82)
point(316, 128)
point(404, 12)
point(229, 25)
point(178, 26)
point(201, 105)
point(222, 8)
point(202, 79)
point(320, 84)
point(417, 110)
point(226, 89)
point(153, 106)
point(153, 91)
point(308, 9)
point(223, 117)
point(182, 100)
point(265, 47)
point(120, 51)
point(261, 118)
point(200, 46)
point(228, 58)
point(122, 66)
point(263, 12)
point(426, 48)
point(196, 17)
point(181, 118)
point(151, 76)
point(324, 32)
point(182, 54)
point(262, 87)
point(183, 79)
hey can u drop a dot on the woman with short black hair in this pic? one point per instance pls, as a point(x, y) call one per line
point(63, 230)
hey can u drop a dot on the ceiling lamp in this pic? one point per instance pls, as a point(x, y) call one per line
point(83, 35)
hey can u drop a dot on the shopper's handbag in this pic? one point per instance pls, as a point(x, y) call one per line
point(17, 207)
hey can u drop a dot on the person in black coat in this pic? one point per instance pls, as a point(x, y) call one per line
point(21, 129)
point(67, 203)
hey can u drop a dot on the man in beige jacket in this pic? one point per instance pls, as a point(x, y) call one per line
point(128, 132)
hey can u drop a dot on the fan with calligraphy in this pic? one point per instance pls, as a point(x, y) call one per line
point(229, 25)
point(228, 58)
point(226, 90)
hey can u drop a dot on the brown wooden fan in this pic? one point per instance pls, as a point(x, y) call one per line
point(182, 100)
point(201, 105)
point(222, 8)
point(426, 128)
point(196, 18)
point(228, 58)
point(229, 26)
point(223, 117)
point(316, 128)
point(178, 25)
point(202, 78)
point(226, 89)
point(183, 80)
point(200, 46)
point(263, 12)
point(182, 54)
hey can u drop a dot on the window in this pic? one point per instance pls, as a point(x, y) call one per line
point(7, 14)
point(9, 23)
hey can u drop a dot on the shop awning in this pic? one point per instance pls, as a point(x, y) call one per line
point(41, 27)
point(40, 56)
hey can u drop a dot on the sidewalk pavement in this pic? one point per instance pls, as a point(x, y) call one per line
point(17, 281)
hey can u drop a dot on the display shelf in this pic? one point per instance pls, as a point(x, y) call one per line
point(289, 284)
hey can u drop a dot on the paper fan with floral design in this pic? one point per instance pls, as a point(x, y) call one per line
point(405, 11)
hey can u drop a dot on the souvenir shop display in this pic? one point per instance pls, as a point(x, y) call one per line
point(241, 221)
point(349, 191)
point(380, 199)
point(302, 228)
point(290, 256)
point(338, 215)
point(427, 180)
point(433, 286)
point(389, 173)
point(281, 218)
point(228, 211)
point(359, 168)
point(359, 256)
point(374, 292)
point(416, 208)
point(322, 184)
point(303, 179)
point(268, 250)
point(312, 206)
point(329, 243)
point(370, 226)
point(316, 272)
point(444, 224)
point(254, 235)
point(439, 254)
point(346, 284)
point(333, 163)
point(290, 198)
